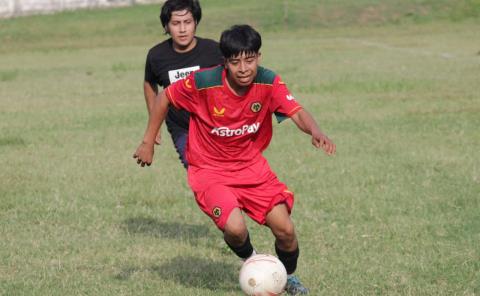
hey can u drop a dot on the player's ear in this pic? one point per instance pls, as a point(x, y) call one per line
point(259, 56)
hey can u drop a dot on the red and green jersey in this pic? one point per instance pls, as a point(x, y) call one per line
point(227, 131)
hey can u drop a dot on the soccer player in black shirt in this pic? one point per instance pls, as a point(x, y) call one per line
point(174, 59)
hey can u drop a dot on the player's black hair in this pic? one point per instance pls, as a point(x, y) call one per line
point(240, 39)
point(175, 5)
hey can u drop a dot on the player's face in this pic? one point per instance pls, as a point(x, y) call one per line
point(242, 69)
point(182, 29)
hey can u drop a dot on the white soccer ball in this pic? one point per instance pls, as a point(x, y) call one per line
point(263, 275)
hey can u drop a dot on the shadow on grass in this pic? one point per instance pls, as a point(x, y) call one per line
point(192, 272)
point(172, 230)
point(12, 141)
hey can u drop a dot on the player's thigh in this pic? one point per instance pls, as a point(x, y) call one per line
point(280, 223)
point(260, 200)
point(218, 202)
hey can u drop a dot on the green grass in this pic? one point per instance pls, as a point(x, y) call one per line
point(395, 212)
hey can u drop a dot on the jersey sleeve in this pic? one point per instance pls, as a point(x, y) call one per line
point(183, 94)
point(284, 104)
point(149, 75)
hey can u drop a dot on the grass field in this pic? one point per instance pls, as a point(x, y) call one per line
point(396, 212)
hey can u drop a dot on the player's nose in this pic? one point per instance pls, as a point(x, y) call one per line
point(242, 66)
point(183, 27)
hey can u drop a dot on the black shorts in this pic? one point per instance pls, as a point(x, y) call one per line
point(177, 125)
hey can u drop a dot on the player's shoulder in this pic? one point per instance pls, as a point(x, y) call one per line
point(161, 48)
point(208, 77)
point(205, 42)
point(265, 76)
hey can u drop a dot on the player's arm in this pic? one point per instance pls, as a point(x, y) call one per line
point(307, 124)
point(144, 152)
point(150, 91)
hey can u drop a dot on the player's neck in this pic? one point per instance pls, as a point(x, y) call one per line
point(182, 49)
point(234, 88)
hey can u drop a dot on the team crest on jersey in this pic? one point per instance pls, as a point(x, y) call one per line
point(217, 212)
point(188, 84)
point(217, 112)
point(256, 107)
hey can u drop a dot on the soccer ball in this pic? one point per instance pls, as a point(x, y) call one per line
point(263, 275)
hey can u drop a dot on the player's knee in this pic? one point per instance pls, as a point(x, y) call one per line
point(285, 232)
point(235, 237)
point(236, 231)
point(235, 228)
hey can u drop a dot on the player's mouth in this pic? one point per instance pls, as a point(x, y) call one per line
point(244, 79)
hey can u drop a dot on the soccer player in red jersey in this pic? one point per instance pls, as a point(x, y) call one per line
point(231, 109)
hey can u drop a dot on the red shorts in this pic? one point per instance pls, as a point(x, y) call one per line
point(255, 191)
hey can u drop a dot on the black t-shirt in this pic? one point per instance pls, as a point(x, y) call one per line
point(164, 66)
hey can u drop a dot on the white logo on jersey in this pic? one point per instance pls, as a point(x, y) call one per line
point(290, 97)
point(224, 131)
point(175, 75)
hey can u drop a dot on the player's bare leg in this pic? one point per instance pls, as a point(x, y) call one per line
point(236, 235)
point(279, 222)
point(286, 246)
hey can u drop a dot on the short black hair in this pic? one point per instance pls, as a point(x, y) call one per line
point(240, 39)
point(170, 6)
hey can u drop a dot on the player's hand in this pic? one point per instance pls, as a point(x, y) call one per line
point(144, 154)
point(158, 138)
point(320, 140)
